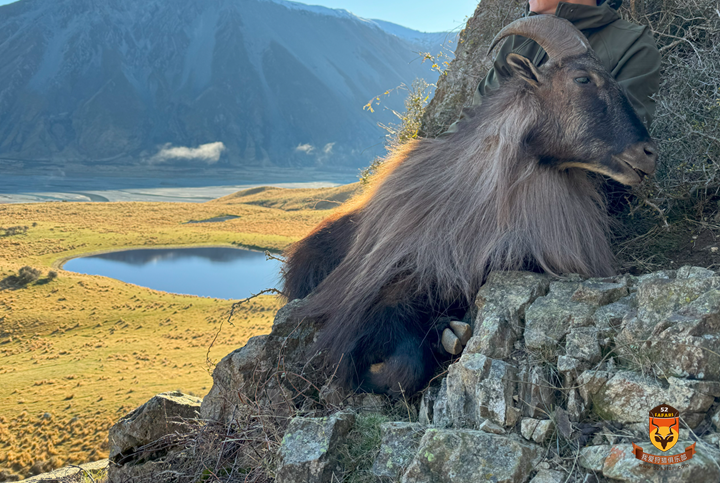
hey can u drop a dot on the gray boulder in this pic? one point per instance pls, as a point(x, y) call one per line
point(627, 396)
point(536, 394)
point(309, 449)
point(550, 318)
point(549, 476)
point(158, 417)
point(538, 430)
point(601, 292)
point(68, 474)
point(582, 344)
point(480, 388)
point(501, 304)
point(620, 464)
point(678, 333)
point(399, 444)
point(467, 456)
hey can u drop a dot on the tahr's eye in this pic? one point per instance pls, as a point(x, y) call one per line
point(582, 80)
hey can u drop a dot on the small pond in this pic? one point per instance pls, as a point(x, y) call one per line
point(220, 272)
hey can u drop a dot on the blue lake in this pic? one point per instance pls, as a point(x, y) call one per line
point(220, 272)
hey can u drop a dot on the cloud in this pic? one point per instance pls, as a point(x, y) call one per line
point(310, 149)
point(209, 153)
point(305, 148)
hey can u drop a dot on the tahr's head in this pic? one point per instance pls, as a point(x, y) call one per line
point(585, 119)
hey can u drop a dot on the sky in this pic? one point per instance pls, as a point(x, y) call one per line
point(423, 15)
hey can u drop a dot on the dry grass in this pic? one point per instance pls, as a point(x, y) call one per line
point(292, 199)
point(79, 351)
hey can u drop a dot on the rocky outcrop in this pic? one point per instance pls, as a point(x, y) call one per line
point(620, 464)
point(400, 442)
point(140, 440)
point(558, 369)
point(160, 416)
point(461, 456)
point(71, 474)
point(269, 370)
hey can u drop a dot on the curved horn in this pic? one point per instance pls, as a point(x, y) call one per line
point(557, 36)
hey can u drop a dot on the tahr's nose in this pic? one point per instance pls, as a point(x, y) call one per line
point(651, 153)
point(643, 157)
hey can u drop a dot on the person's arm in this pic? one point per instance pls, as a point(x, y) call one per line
point(638, 72)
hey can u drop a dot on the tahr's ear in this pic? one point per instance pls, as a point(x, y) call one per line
point(522, 67)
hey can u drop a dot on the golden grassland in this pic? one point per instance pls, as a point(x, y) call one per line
point(79, 351)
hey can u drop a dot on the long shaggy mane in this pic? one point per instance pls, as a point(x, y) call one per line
point(442, 213)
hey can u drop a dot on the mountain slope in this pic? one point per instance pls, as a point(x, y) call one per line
point(107, 84)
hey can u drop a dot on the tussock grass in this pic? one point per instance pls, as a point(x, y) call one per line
point(293, 199)
point(79, 351)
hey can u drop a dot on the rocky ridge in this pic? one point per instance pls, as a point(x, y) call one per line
point(556, 383)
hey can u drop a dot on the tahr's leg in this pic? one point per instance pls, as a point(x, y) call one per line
point(404, 371)
point(403, 360)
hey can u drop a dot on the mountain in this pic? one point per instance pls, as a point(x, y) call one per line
point(430, 41)
point(95, 85)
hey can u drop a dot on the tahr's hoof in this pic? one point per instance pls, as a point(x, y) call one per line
point(451, 343)
point(456, 336)
point(462, 331)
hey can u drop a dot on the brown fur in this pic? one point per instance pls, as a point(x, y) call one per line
point(443, 213)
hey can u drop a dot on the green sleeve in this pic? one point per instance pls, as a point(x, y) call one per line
point(498, 71)
point(638, 72)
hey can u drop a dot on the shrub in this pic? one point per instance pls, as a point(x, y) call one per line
point(52, 275)
point(13, 230)
point(687, 121)
point(27, 275)
point(408, 127)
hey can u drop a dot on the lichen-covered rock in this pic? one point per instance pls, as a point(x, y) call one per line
point(427, 405)
point(627, 396)
point(599, 292)
point(68, 474)
point(620, 464)
point(582, 344)
point(593, 457)
point(480, 388)
point(608, 319)
point(538, 430)
point(440, 416)
point(247, 374)
point(399, 444)
point(490, 427)
point(567, 364)
point(679, 334)
point(148, 423)
point(309, 448)
point(467, 456)
point(712, 439)
point(535, 391)
point(658, 298)
point(549, 476)
point(549, 319)
point(501, 304)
